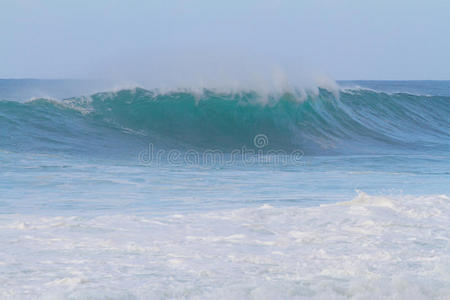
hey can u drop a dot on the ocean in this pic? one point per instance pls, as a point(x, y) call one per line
point(338, 192)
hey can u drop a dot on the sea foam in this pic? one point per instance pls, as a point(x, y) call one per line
point(372, 247)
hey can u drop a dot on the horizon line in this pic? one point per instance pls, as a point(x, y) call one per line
point(104, 79)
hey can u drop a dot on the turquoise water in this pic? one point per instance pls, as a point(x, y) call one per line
point(135, 193)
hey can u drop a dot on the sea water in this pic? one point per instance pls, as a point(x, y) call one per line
point(138, 193)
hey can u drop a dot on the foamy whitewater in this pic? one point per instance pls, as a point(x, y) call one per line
point(332, 192)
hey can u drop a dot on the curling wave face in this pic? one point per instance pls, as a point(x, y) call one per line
point(353, 121)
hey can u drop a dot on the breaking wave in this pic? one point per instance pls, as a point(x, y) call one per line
point(323, 122)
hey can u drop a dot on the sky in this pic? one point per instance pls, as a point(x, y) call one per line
point(170, 40)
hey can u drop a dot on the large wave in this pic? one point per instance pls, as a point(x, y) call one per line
point(351, 121)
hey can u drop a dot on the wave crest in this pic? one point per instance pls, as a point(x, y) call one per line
point(321, 122)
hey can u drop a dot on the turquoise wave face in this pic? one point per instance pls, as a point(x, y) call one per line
point(353, 122)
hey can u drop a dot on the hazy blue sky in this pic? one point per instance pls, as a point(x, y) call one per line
point(402, 39)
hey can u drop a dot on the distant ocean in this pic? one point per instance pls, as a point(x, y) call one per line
point(320, 193)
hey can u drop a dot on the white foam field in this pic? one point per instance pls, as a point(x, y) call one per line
point(372, 247)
